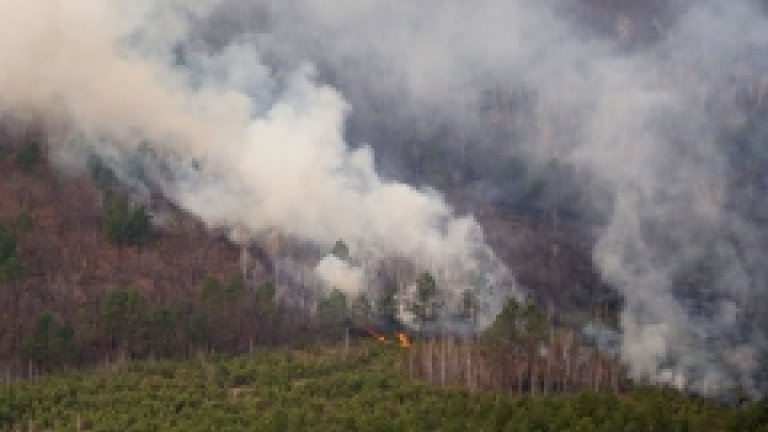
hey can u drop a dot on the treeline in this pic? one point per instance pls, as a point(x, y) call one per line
point(522, 353)
point(223, 317)
point(320, 389)
point(46, 328)
point(223, 314)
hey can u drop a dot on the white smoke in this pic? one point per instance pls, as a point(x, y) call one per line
point(341, 275)
point(222, 135)
point(647, 122)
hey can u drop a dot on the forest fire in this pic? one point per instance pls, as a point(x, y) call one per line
point(403, 340)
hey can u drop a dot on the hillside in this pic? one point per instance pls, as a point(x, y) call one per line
point(318, 390)
point(68, 265)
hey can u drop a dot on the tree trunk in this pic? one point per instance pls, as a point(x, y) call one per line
point(443, 361)
point(411, 354)
point(532, 378)
point(346, 342)
point(468, 351)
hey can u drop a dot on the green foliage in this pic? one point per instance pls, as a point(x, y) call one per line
point(28, 156)
point(24, 223)
point(340, 250)
point(7, 244)
point(140, 228)
point(10, 263)
point(164, 325)
point(516, 327)
point(506, 327)
point(332, 312)
point(214, 293)
point(535, 324)
point(265, 295)
point(124, 313)
point(11, 269)
point(117, 221)
point(101, 174)
point(751, 417)
point(198, 330)
point(280, 390)
point(265, 301)
point(423, 305)
point(51, 344)
point(125, 224)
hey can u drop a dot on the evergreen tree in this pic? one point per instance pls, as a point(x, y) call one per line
point(332, 312)
point(124, 313)
point(220, 305)
point(10, 264)
point(127, 225)
point(163, 327)
point(51, 344)
point(265, 295)
point(28, 156)
point(424, 305)
point(506, 327)
point(198, 330)
point(340, 250)
point(140, 228)
point(536, 326)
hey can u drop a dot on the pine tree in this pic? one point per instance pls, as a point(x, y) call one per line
point(127, 225)
point(124, 312)
point(10, 263)
point(424, 304)
point(51, 344)
point(28, 156)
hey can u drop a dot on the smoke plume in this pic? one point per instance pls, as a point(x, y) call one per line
point(237, 144)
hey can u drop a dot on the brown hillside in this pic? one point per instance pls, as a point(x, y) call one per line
point(68, 263)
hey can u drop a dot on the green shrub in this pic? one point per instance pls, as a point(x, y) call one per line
point(10, 263)
point(300, 390)
point(28, 156)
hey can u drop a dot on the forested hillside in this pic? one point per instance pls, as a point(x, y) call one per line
point(100, 271)
point(319, 389)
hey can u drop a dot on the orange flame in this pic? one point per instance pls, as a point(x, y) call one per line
point(403, 340)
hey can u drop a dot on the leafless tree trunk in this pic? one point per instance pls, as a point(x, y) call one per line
point(411, 355)
point(468, 351)
point(346, 342)
point(443, 360)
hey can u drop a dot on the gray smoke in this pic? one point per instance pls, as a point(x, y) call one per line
point(239, 145)
point(258, 113)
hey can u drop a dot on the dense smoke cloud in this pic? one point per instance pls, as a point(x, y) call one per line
point(257, 112)
point(224, 137)
point(645, 114)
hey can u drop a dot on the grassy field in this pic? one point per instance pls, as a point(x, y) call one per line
point(317, 389)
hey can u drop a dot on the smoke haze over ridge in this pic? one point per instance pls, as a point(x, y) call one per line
point(258, 94)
